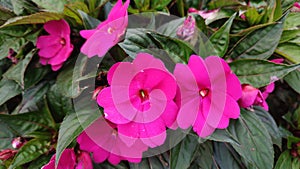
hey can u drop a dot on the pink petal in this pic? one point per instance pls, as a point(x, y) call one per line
point(114, 159)
point(56, 67)
point(99, 43)
point(84, 161)
point(248, 96)
point(61, 56)
point(67, 160)
point(129, 133)
point(87, 33)
point(111, 72)
point(198, 67)
point(170, 114)
point(153, 134)
point(48, 41)
point(118, 10)
point(86, 143)
point(146, 61)
point(233, 85)
point(105, 100)
point(59, 27)
point(224, 122)
point(201, 127)
point(232, 109)
point(100, 155)
point(50, 165)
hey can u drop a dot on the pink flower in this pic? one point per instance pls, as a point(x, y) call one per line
point(108, 33)
point(252, 96)
point(187, 30)
point(204, 14)
point(296, 7)
point(56, 47)
point(7, 154)
point(140, 100)
point(208, 94)
point(102, 139)
point(68, 161)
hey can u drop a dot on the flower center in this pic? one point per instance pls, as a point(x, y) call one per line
point(203, 92)
point(143, 95)
point(110, 30)
point(62, 41)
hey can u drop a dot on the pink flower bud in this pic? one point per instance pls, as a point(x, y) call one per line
point(17, 142)
point(7, 154)
point(187, 30)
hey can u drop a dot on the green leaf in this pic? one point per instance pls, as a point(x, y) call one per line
point(32, 97)
point(159, 4)
point(277, 11)
point(8, 89)
point(50, 6)
point(88, 21)
point(260, 43)
point(71, 11)
point(214, 4)
point(220, 39)
point(30, 151)
point(265, 72)
point(204, 158)
point(151, 162)
point(180, 7)
point(293, 79)
point(290, 51)
point(182, 154)
point(5, 14)
point(37, 18)
point(59, 104)
point(289, 35)
point(73, 124)
point(253, 17)
point(23, 125)
point(17, 72)
point(285, 161)
point(40, 162)
point(170, 28)
point(292, 21)
point(34, 73)
point(270, 124)
point(255, 145)
point(67, 79)
point(7, 42)
point(226, 157)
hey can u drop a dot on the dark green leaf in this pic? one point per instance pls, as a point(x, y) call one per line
point(255, 144)
point(277, 10)
point(149, 163)
point(260, 43)
point(214, 4)
point(159, 4)
point(30, 151)
point(180, 7)
point(67, 79)
point(290, 51)
point(17, 72)
point(204, 158)
point(286, 4)
point(220, 39)
point(265, 72)
point(270, 124)
point(8, 89)
point(170, 28)
point(73, 124)
point(293, 79)
point(59, 104)
point(292, 21)
point(7, 42)
point(182, 154)
point(40, 162)
point(37, 18)
point(34, 73)
point(289, 35)
point(88, 21)
point(5, 14)
point(226, 157)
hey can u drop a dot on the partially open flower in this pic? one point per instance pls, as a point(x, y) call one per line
point(108, 33)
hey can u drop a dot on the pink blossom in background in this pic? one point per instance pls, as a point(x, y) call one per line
point(205, 14)
point(7, 154)
point(187, 30)
point(296, 7)
point(68, 160)
point(140, 100)
point(108, 33)
point(208, 94)
point(102, 140)
point(56, 47)
point(252, 96)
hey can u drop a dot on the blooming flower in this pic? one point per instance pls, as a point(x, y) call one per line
point(68, 161)
point(140, 100)
point(56, 47)
point(208, 94)
point(107, 33)
point(101, 138)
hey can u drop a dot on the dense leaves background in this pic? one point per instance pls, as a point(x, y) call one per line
point(37, 104)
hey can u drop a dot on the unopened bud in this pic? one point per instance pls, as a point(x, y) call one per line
point(187, 30)
point(17, 142)
point(7, 154)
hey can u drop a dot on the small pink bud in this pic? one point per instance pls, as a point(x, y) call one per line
point(7, 154)
point(187, 30)
point(17, 142)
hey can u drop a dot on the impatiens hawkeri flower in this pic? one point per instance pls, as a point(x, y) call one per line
point(208, 94)
point(252, 96)
point(108, 33)
point(68, 160)
point(140, 100)
point(56, 47)
point(102, 139)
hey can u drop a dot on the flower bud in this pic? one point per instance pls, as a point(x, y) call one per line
point(7, 154)
point(187, 30)
point(18, 142)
